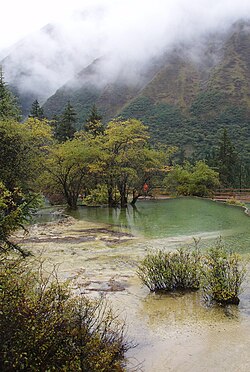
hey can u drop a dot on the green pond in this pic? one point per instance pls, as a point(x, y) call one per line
point(180, 218)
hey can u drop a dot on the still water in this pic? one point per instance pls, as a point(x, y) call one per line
point(174, 332)
point(177, 218)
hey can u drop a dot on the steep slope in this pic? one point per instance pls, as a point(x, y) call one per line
point(177, 83)
point(175, 78)
point(224, 102)
point(232, 75)
point(110, 94)
point(188, 103)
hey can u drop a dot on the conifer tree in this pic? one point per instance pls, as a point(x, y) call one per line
point(93, 123)
point(8, 105)
point(65, 127)
point(36, 110)
point(227, 161)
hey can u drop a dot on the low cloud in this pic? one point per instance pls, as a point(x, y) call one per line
point(125, 34)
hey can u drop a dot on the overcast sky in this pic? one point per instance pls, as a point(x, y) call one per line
point(21, 17)
point(129, 32)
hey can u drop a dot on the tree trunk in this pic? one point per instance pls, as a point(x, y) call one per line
point(72, 202)
point(111, 202)
point(123, 196)
point(70, 198)
point(135, 197)
point(124, 201)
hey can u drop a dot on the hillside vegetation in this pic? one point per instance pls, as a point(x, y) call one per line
point(186, 96)
point(185, 101)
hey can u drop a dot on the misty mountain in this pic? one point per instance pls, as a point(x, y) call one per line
point(173, 77)
point(110, 92)
point(39, 64)
point(186, 96)
point(186, 91)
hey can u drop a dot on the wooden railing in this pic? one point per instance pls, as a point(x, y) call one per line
point(230, 193)
point(219, 194)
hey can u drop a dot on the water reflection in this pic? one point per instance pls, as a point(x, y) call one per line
point(184, 217)
point(47, 214)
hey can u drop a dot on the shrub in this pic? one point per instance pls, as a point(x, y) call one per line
point(43, 327)
point(223, 275)
point(234, 201)
point(97, 196)
point(15, 210)
point(170, 271)
point(219, 272)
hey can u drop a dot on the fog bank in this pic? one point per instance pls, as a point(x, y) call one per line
point(127, 33)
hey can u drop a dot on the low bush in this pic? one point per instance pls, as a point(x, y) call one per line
point(43, 327)
point(15, 211)
point(218, 272)
point(223, 274)
point(234, 201)
point(170, 271)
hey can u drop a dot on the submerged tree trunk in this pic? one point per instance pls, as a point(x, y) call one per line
point(111, 201)
point(71, 197)
point(72, 201)
point(124, 201)
point(123, 195)
point(135, 197)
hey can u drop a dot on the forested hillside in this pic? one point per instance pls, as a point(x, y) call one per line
point(187, 97)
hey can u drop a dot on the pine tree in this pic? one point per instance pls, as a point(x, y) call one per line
point(227, 161)
point(65, 127)
point(36, 110)
point(8, 105)
point(93, 123)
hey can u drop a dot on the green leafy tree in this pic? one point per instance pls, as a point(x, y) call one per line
point(128, 162)
point(69, 168)
point(36, 110)
point(21, 152)
point(123, 155)
point(65, 128)
point(94, 124)
point(8, 104)
point(151, 168)
point(198, 179)
point(118, 162)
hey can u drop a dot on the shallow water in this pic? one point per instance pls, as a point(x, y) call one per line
point(176, 333)
point(179, 333)
point(179, 219)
